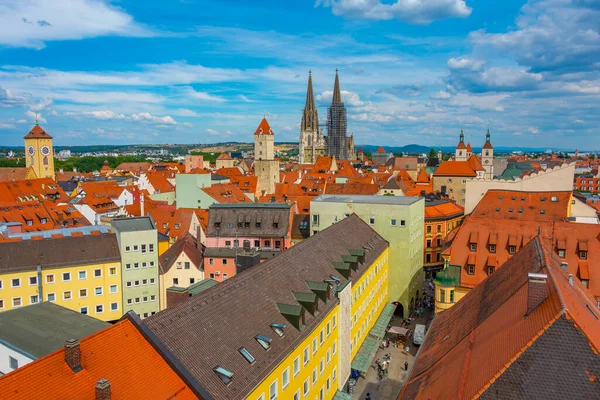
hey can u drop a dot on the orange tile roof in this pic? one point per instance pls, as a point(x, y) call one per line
point(134, 166)
point(37, 133)
point(443, 211)
point(226, 193)
point(160, 183)
point(15, 174)
point(380, 150)
point(455, 168)
point(469, 148)
point(231, 171)
point(351, 188)
point(247, 184)
point(264, 128)
point(362, 179)
point(31, 190)
point(118, 353)
point(470, 346)
point(423, 176)
point(224, 156)
point(507, 204)
point(323, 164)
point(461, 146)
point(487, 145)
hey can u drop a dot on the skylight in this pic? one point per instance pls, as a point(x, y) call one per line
point(278, 328)
point(335, 278)
point(264, 341)
point(224, 374)
point(246, 354)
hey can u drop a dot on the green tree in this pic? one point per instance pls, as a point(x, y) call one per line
point(432, 153)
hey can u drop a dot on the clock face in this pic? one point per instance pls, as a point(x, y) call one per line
point(45, 150)
point(487, 161)
point(31, 150)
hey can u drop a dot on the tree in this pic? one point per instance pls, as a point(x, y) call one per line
point(432, 153)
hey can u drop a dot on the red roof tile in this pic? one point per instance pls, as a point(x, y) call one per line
point(37, 133)
point(264, 128)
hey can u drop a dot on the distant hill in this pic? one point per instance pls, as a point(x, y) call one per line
point(409, 148)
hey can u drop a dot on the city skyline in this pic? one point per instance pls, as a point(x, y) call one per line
point(119, 73)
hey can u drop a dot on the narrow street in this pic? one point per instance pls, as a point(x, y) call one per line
point(389, 387)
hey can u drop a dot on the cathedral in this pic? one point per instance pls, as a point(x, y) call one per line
point(312, 141)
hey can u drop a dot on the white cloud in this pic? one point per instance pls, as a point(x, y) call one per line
point(7, 126)
point(442, 94)
point(35, 117)
point(185, 112)
point(411, 11)
point(107, 115)
point(41, 105)
point(245, 99)
point(349, 98)
point(104, 114)
point(204, 96)
point(30, 23)
point(533, 130)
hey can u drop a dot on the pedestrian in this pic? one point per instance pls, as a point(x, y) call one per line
point(406, 365)
point(368, 396)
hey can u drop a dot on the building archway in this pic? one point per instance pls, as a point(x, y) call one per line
point(399, 311)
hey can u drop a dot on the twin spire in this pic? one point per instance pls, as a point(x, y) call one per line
point(310, 98)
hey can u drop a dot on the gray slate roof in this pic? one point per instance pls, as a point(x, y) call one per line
point(59, 252)
point(133, 224)
point(208, 329)
point(364, 199)
point(43, 328)
point(229, 216)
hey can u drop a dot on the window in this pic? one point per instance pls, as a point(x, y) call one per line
point(393, 222)
point(246, 354)
point(328, 329)
point(321, 366)
point(297, 395)
point(82, 293)
point(561, 253)
point(257, 243)
point(1, 304)
point(428, 243)
point(16, 302)
point(473, 246)
point(151, 247)
point(224, 276)
point(554, 199)
point(583, 255)
point(321, 394)
point(264, 341)
point(278, 328)
point(224, 261)
point(112, 271)
point(98, 273)
point(144, 248)
point(175, 281)
point(50, 278)
point(442, 296)
point(152, 281)
point(211, 276)
point(178, 264)
point(334, 346)
point(192, 280)
point(334, 321)
point(51, 297)
point(82, 275)
point(306, 355)
point(371, 220)
point(228, 243)
point(187, 265)
point(491, 270)
point(306, 387)
point(296, 366)
point(512, 249)
point(321, 337)
point(145, 299)
point(471, 269)
point(428, 228)
point(13, 363)
point(314, 346)
point(114, 306)
point(137, 300)
point(402, 222)
point(128, 266)
point(136, 247)
point(211, 261)
point(33, 299)
point(285, 379)
point(32, 280)
point(334, 375)
point(427, 258)
point(127, 248)
point(128, 284)
point(98, 291)
point(67, 295)
point(314, 376)
point(273, 390)
point(267, 243)
point(66, 276)
point(278, 244)
point(113, 289)
point(99, 309)
point(492, 248)
point(15, 282)
point(129, 301)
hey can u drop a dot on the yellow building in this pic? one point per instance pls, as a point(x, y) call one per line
point(82, 273)
point(292, 327)
point(39, 153)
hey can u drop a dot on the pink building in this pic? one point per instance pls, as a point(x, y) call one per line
point(192, 162)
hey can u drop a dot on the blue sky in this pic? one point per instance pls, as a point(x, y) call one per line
point(193, 71)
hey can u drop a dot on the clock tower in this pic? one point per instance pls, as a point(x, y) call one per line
point(487, 156)
point(39, 153)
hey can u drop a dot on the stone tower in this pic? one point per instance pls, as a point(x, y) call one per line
point(312, 142)
point(461, 148)
point(487, 157)
point(337, 141)
point(39, 153)
point(266, 168)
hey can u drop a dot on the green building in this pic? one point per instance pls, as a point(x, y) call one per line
point(189, 193)
point(138, 243)
point(400, 220)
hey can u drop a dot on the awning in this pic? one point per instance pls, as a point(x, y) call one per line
point(398, 330)
point(342, 396)
point(381, 325)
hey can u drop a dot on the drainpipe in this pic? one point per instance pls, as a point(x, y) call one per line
point(39, 282)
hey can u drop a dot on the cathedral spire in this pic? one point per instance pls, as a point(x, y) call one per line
point(337, 96)
point(310, 98)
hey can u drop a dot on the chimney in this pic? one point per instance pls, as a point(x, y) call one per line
point(565, 266)
point(199, 237)
point(141, 204)
point(73, 355)
point(103, 389)
point(537, 290)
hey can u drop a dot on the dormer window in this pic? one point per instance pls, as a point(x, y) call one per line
point(224, 374)
point(278, 328)
point(512, 249)
point(561, 253)
point(177, 226)
point(473, 246)
point(246, 354)
point(491, 270)
point(264, 341)
point(492, 248)
point(583, 255)
point(471, 269)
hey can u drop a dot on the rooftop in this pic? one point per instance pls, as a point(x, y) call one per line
point(43, 328)
point(360, 199)
point(133, 224)
point(251, 205)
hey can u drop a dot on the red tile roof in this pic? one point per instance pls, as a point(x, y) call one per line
point(31, 190)
point(455, 168)
point(226, 193)
point(380, 150)
point(160, 183)
point(264, 128)
point(37, 133)
point(443, 210)
point(351, 188)
point(423, 176)
point(118, 353)
point(469, 148)
point(224, 156)
point(136, 167)
point(247, 184)
point(15, 174)
point(530, 206)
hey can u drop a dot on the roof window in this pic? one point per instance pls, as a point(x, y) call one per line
point(264, 341)
point(224, 374)
point(278, 328)
point(542, 199)
point(514, 197)
point(246, 354)
point(554, 199)
point(542, 211)
point(500, 197)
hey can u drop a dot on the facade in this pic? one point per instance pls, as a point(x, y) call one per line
point(39, 152)
point(381, 157)
point(224, 160)
point(506, 339)
point(32, 332)
point(441, 217)
point(223, 263)
point(81, 272)
point(312, 141)
point(180, 266)
point(400, 220)
point(193, 162)
point(306, 312)
point(138, 243)
point(266, 168)
point(589, 184)
point(266, 226)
